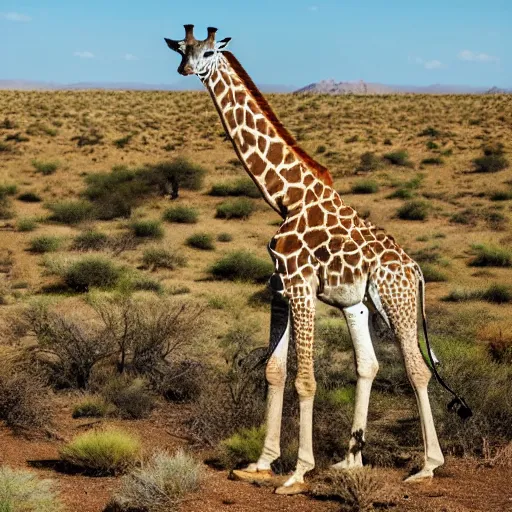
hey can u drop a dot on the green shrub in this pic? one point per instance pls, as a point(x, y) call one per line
point(241, 187)
point(321, 149)
point(429, 132)
point(354, 138)
point(123, 141)
point(401, 193)
point(399, 157)
point(224, 237)
point(468, 217)
point(26, 224)
point(8, 190)
point(242, 266)
point(144, 283)
point(369, 162)
point(29, 197)
point(235, 209)
point(92, 407)
point(44, 243)
point(500, 195)
point(45, 168)
point(432, 274)
point(242, 447)
point(132, 398)
point(71, 212)
point(364, 187)
point(91, 272)
point(493, 160)
point(157, 257)
point(202, 241)
point(161, 483)
point(90, 241)
point(433, 160)
point(108, 452)
point(147, 229)
point(22, 491)
point(461, 295)
point(431, 145)
point(413, 210)
point(181, 215)
point(488, 256)
point(497, 294)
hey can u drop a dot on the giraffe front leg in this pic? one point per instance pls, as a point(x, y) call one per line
point(366, 367)
point(276, 378)
point(303, 315)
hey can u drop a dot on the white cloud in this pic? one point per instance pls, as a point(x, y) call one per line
point(84, 55)
point(477, 56)
point(433, 64)
point(15, 16)
point(129, 56)
point(427, 64)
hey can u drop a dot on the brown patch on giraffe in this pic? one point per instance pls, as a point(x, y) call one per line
point(261, 125)
point(291, 264)
point(357, 237)
point(239, 115)
point(240, 97)
point(320, 171)
point(308, 179)
point(315, 238)
point(332, 220)
point(337, 200)
point(352, 259)
point(273, 182)
point(335, 244)
point(338, 230)
point(318, 188)
point(252, 105)
point(346, 223)
point(227, 99)
point(289, 158)
point(294, 194)
point(388, 256)
point(322, 254)
point(346, 211)
point(288, 244)
point(310, 196)
point(249, 120)
point(262, 144)
point(376, 247)
point(329, 206)
point(219, 88)
point(381, 236)
point(256, 164)
point(315, 216)
point(336, 264)
point(271, 131)
point(350, 246)
point(230, 119)
point(388, 244)
point(275, 153)
point(301, 227)
point(248, 137)
point(347, 275)
point(292, 175)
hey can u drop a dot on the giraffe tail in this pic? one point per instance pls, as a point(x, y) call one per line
point(457, 404)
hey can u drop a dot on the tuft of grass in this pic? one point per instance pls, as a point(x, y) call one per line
point(22, 491)
point(224, 237)
point(29, 197)
point(45, 168)
point(493, 160)
point(364, 187)
point(433, 160)
point(181, 215)
point(235, 209)
point(430, 131)
point(44, 243)
point(90, 241)
point(26, 224)
point(161, 483)
point(432, 274)
point(91, 407)
point(107, 452)
point(500, 195)
point(157, 257)
point(202, 241)
point(399, 157)
point(369, 162)
point(147, 229)
point(144, 283)
point(413, 210)
point(498, 294)
point(242, 447)
point(242, 266)
point(71, 212)
point(91, 272)
point(241, 187)
point(490, 256)
point(132, 398)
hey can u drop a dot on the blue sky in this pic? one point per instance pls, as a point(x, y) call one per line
point(291, 42)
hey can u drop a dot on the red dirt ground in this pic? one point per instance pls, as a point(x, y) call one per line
point(460, 486)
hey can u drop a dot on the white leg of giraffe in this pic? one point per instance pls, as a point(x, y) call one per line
point(276, 378)
point(367, 367)
point(303, 315)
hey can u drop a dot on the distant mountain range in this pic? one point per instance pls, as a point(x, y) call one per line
point(361, 87)
point(322, 87)
point(182, 85)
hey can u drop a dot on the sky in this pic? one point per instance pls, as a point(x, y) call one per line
point(286, 42)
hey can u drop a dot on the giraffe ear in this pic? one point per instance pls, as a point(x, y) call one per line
point(222, 44)
point(172, 44)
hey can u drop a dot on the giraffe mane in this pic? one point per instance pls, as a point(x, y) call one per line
point(321, 172)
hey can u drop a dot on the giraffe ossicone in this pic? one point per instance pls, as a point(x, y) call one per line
point(323, 250)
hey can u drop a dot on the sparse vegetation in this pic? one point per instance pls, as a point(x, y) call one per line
point(240, 187)
point(147, 229)
point(493, 160)
point(26, 224)
point(488, 256)
point(157, 257)
point(71, 212)
point(45, 168)
point(90, 241)
point(235, 209)
point(242, 266)
point(414, 210)
point(91, 272)
point(369, 162)
point(202, 241)
point(398, 157)
point(181, 215)
point(364, 187)
point(44, 243)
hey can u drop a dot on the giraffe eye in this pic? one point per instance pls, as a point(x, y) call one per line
point(208, 54)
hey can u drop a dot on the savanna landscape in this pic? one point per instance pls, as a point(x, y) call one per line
point(134, 307)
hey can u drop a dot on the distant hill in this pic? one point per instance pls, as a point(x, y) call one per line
point(361, 87)
point(182, 85)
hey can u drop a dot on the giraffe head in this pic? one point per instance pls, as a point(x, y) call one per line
point(197, 57)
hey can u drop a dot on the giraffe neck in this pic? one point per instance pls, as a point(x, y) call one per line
point(285, 174)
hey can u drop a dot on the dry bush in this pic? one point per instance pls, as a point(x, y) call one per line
point(357, 490)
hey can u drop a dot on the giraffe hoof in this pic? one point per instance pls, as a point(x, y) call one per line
point(421, 476)
point(251, 476)
point(289, 490)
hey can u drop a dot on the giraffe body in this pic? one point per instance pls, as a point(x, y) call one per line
point(323, 250)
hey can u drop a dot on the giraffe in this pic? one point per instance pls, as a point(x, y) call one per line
point(323, 250)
